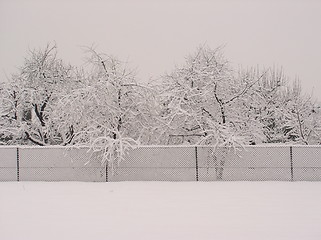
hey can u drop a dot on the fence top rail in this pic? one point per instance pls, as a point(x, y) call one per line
point(9, 146)
point(160, 146)
point(307, 146)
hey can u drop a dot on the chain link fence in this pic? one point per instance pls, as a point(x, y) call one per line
point(156, 164)
point(163, 163)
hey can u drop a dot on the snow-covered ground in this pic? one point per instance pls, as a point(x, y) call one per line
point(160, 210)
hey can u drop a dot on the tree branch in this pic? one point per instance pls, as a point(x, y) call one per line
point(35, 141)
point(245, 89)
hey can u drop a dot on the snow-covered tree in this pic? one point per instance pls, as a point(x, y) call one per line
point(263, 104)
point(9, 115)
point(109, 110)
point(301, 117)
point(285, 114)
point(32, 94)
point(203, 101)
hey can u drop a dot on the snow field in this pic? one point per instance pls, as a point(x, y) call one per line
point(160, 210)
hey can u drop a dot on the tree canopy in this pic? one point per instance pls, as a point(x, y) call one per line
point(204, 101)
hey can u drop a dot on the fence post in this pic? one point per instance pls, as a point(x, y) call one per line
point(196, 158)
point(18, 159)
point(291, 162)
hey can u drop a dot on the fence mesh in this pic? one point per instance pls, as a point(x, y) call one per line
point(60, 164)
point(161, 163)
point(156, 163)
point(307, 163)
point(250, 163)
point(8, 164)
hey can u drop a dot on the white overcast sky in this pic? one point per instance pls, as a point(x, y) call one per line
point(155, 35)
